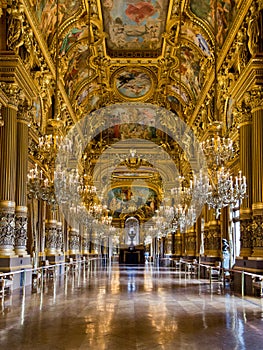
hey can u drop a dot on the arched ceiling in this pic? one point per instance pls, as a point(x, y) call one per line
point(132, 50)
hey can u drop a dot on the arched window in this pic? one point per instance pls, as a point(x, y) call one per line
point(132, 232)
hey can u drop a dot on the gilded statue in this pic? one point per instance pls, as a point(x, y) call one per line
point(253, 30)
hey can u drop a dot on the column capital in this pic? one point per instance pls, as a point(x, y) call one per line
point(242, 112)
point(24, 109)
point(13, 93)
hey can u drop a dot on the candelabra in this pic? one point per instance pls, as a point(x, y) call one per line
point(40, 186)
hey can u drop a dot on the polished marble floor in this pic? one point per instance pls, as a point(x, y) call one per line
point(130, 308)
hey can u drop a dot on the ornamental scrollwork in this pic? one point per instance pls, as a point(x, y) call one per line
point(246, 233)
point(7, 229)
point(20, 231)
point(51, 234)
point(257, 231)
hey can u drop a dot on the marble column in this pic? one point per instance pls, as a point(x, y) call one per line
point(21, 217)
point(8, 140)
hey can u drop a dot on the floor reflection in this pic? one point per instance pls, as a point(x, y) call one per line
point(129, 307)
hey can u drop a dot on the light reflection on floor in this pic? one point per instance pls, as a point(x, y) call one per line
point(130, 307)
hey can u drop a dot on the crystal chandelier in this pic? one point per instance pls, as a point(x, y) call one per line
point(223, 191)
point(184, 215)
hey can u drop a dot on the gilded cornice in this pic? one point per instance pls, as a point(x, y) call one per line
point(12, 71)
point(251, 76)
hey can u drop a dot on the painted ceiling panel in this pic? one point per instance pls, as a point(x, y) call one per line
point(134, 24)
point(226, 10)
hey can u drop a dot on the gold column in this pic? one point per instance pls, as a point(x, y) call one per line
point(257, 189)
point(21, 218)
point(8, 139)
point(245, 156)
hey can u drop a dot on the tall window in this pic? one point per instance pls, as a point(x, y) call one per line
point(234, 233)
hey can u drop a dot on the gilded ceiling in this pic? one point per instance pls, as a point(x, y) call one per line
point(128, 50)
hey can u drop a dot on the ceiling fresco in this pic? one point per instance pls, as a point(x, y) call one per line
point(134, 24)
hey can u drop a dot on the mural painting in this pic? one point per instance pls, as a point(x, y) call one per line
point(134, 25)
point(75, 34)
point(133, 131)
point(191, 72)
point(46, 14)
point(133, 82)
point(77, 69)
point(226, 11)
point(129, 199)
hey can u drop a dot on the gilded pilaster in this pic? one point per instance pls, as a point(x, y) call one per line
point(257, 161)
point(8, 139)
point(21, 218)
point(243, 118)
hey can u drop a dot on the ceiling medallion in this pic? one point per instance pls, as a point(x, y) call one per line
point(133, 83)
